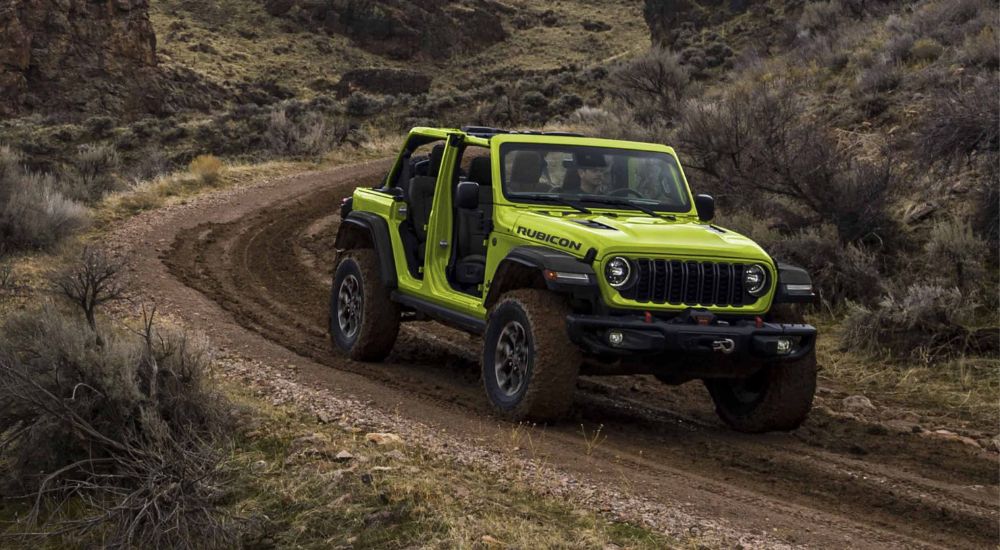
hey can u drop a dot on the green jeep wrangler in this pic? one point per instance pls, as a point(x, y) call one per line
point(571, 255)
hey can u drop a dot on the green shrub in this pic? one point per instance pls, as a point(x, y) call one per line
point(925, 49)
point(956, 254)
point(94, 173)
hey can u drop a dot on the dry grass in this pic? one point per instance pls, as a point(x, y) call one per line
point(965, 388)
point(397, 496)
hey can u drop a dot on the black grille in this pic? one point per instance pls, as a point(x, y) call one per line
point(686, 282)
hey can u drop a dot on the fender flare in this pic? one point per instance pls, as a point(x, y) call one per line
point(799, 278)
point(541, 259)
point(378, 232)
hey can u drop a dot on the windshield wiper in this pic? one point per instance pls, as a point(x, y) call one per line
point(552, 198)
point(617, 201)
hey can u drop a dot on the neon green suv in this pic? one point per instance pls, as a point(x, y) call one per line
point(571, 255)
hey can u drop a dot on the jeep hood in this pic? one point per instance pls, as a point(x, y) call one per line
point(631, 233)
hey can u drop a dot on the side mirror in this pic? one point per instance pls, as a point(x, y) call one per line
point(467, 195)
point(705, 205)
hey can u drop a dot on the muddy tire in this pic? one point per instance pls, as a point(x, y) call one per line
point(530, 366)
point(364, 321)
point(778, 397)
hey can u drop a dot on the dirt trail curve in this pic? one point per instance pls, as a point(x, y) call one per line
point(251, 269)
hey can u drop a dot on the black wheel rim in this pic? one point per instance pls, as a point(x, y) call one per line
point(510, 361)
point(349, 302)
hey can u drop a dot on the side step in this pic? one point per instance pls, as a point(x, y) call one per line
point(455, 319)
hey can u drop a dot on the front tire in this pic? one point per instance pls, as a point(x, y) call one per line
point(364, 321)
point(530, 366)
point(778, 397)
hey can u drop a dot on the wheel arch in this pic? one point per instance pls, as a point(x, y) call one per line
point(360, 230)
point(526, 267)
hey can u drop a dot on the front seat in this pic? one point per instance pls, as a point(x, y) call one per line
point(525, 172)
point(422, 198)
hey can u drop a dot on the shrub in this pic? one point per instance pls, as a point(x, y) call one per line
point(33, 213)
point(119, 442)
point(817, 16)
point(94, 168)
point(755, 145)
point(361, 104)
point(92, 280)
point(962, 122)
point(956, 254)
point(651, 85)
point(924, 322)
point(981, 49)
point(207, 168)
point(308, 135)
point(925, 49)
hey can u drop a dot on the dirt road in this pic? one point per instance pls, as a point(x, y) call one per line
point(251, 269)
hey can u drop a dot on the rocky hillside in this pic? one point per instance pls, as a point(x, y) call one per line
point(78, 56)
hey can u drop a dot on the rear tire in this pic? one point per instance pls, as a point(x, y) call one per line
point(364, 321)
point(530, 366)
point(778, 397)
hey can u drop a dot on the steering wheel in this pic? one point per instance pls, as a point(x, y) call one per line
point(626, 191)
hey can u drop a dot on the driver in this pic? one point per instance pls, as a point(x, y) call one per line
point(593, 170)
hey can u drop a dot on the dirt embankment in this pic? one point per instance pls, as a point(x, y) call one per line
point(251, 269)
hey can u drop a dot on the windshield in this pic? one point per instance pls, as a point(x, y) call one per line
point(619, 178)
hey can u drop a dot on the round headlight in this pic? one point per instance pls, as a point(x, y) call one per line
point(617, 271)
point(755, 280)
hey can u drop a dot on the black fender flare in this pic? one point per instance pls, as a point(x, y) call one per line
point(798, 278)
point(541, 260)
point(378, 232)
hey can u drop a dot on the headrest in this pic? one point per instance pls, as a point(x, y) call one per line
point(527, 167)
point(480, 171)
point(436, 154)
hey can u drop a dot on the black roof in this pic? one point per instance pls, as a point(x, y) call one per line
point(488, 132)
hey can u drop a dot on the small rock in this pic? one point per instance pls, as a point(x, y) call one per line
point(396, 454)
point(952, 436)
point(490, 541)
point(344, 456)
point(383, 438)
point(994, 444)
point(858, 404)
point(259, 466)
point(324, 417)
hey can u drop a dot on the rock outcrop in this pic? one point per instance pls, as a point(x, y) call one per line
point(401, 29)
point(78, 56)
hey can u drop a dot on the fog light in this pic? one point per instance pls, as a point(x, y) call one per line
point(615, 337)
point(784, 346)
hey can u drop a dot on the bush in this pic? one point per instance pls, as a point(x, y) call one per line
point(962, 122)
point(956, 253)
point(94, 168)
point(817, 16)
point(34, 214)
point(307, 135)
point(981, 49)
point(119, 440)
point(755, 145)
point(925, 49)
point(651, 85)
point(925, 322)
point(207, 168)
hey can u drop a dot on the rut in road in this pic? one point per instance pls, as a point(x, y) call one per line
point(834, 476)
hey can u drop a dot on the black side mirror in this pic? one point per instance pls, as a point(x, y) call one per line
point(705, 205)
point(467, 195)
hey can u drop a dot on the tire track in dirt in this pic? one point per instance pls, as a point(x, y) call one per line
point(833, 482)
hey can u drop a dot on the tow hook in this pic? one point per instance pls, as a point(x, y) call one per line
point(726, 345)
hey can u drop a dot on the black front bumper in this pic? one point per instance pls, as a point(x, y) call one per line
point(735, 338)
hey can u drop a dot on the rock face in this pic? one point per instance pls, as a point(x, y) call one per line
point(93, 56)
point(401, 29)
point(383, 81)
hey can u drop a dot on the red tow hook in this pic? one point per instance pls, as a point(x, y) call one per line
point(649, 317)
point(760, 322)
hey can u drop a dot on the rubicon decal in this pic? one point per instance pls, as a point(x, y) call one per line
point(548, 238)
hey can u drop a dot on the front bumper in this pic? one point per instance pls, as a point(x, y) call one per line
point(646, 336)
